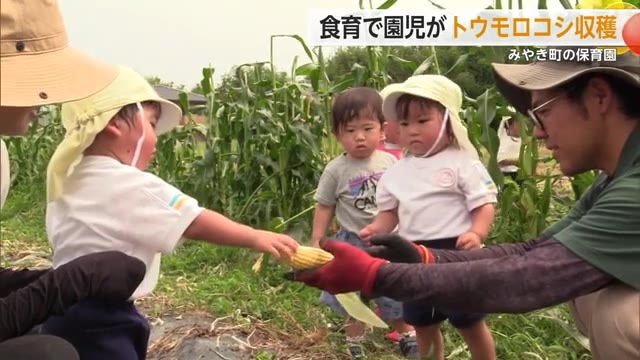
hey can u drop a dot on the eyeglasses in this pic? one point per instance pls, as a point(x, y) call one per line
point(532, 112)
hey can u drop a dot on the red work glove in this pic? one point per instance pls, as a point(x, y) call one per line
point(351, 269)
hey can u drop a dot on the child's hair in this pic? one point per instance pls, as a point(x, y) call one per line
point(402, 109)
point(355, 102)
point(128, 112)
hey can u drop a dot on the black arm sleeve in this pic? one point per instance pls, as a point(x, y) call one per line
point(544, 275)
point(110, 276)
point(11, 280)
point(489, 252)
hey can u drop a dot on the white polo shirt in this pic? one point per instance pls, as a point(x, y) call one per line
point(107, 205)
point(435, 195)
point(509, 148)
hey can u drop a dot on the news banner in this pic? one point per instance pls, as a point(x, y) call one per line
point(566, 35)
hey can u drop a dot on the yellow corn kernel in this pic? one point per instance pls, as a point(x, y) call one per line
point(307, 257)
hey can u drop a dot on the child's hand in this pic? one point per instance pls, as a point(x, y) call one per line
point(278, 245)
point(366, 233)
point(315, 243)
point(469, 241)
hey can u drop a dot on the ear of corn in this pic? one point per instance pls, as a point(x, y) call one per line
point(307, 257)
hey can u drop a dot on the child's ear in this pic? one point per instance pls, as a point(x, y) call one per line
point(115, 127)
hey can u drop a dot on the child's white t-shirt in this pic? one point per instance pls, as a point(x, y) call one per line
point(107, 205)
point(435, 195)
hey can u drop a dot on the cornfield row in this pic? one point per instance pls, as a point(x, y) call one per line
point(259, 155)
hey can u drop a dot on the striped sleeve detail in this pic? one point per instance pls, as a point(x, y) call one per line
point(178, 200)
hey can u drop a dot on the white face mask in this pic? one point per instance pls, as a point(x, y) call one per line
point(136, 153)
point(445, 118)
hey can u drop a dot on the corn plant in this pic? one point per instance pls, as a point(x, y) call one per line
point(256, 157)
point(29, 155)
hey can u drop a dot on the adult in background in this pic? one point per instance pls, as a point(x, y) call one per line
point(588, 115)
point(38, 68)
point(509, 150)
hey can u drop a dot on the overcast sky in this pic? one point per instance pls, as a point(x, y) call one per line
point(175, 39)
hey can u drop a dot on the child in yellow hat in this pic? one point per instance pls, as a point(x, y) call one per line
point(439, 195)
point(100, 198)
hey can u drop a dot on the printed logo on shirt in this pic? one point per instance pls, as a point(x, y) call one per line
point(178, 200)
point(446, 178)
point(363, 189)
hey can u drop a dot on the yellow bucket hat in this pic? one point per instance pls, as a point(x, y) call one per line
point(438, 88)
point(84, 119)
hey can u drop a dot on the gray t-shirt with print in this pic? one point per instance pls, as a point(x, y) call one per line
point(350, 186)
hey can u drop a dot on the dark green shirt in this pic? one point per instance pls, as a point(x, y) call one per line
point(604, 226)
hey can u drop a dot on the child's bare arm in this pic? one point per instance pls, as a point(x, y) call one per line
point(482, 218)
point(321, 219)
point(383, 223)
point(386, 221)
point(481, 195)
point(215, 228)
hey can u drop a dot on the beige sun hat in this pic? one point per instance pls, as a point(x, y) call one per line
point(84, 119)
point(516, 81)
point(389, 89)
point(38, 67)
point(438, 88)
